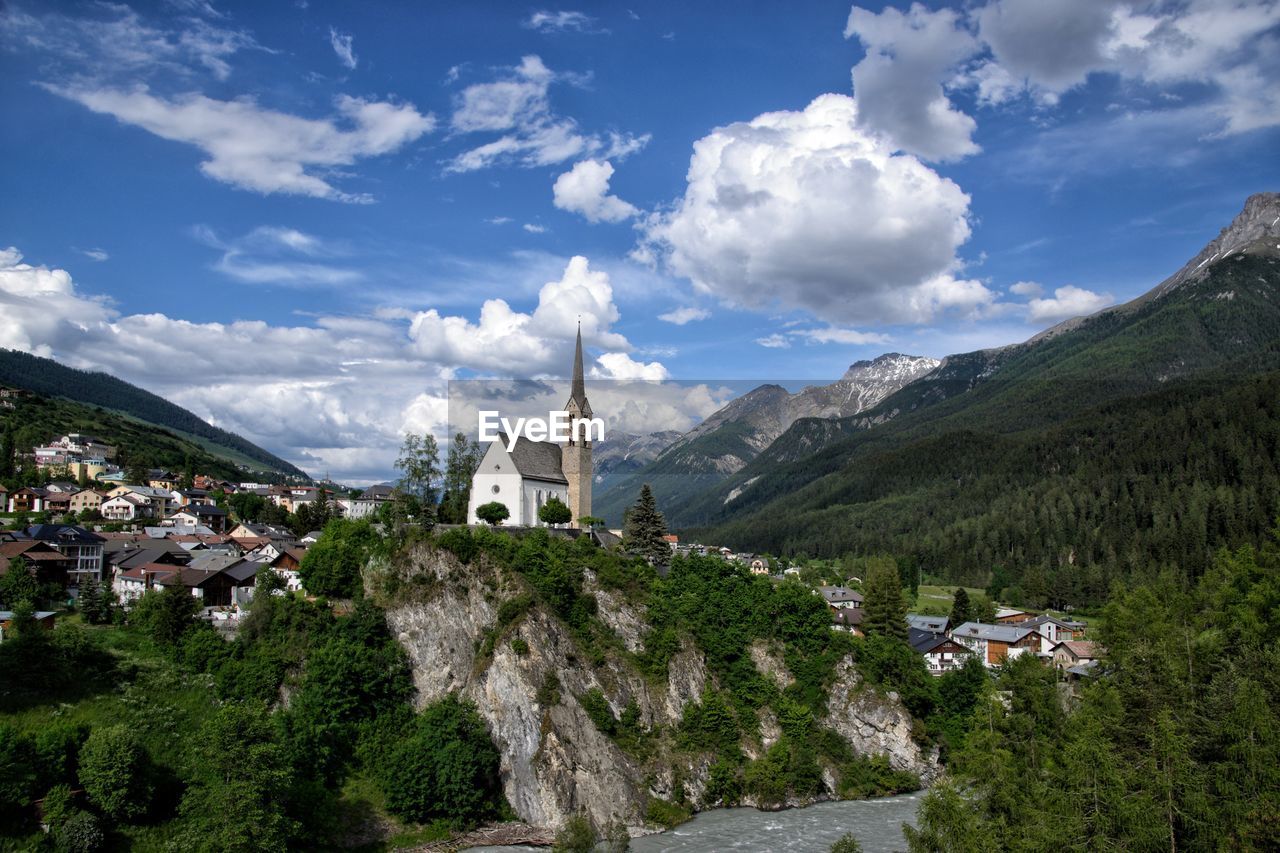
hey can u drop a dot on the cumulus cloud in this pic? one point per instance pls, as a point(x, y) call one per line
point(254, 148)
point(1026, 288)
point(1069, 301)
point(344, 48)
point(563, 21)
point(766, 221)
point(681, 316)
point(899, 83)
point(584, 189)
point(353, 385)
point(518, 107)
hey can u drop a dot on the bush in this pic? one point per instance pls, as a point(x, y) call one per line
point(79, 833)
point(332, 566)
point(446, 767)
point(846, 844)
point(165, 616)
point(666, 813)
point(460, 542)
point(493, 513)
point(114, 771)
point(576, 836)
point(597, 708)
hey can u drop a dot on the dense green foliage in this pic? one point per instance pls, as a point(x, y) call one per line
point(114, 771)
point(886, 612)
point(554, 511)
point(1175, 745)
point(141, 444)
point(332, 565)
point(493, 513)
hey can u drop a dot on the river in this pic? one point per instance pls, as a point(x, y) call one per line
point(877, 824)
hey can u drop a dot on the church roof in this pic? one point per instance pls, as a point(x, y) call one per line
point(538, 460)
point(578, 390)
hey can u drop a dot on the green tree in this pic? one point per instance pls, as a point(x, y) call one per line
point(447, 766)
point(237, 799)
point(960, 609)
point(493, 513)
point(332, 566)
point(846, 843)
point(18, 584)
point(166, 615)
point(554, 511)
point(460, 466)
point(576, 836)
point(96, 602)
point(247, 506)
point(419, 467)
point(886, 613)
point(115, 772)
point(645, 528)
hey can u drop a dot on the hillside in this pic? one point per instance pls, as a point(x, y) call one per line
point(48, 378)
point(1107, 447)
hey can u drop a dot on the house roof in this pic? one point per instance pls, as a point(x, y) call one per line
point(212, 561)
point(932, 624)
point(242, 571)
point(377, 493)
point(998, 633)
point(849, 617)
point(839, 594)
point(148, 555)
point(64, 533)
point(537, 460)
point(1009, 611)
point(1045, 620)
point(31, 550)
point(1081, 648)
point(926, 641)
point(202, 510)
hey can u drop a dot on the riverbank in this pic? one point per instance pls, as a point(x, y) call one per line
point(876, 823)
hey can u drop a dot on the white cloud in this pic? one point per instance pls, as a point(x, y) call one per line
point(534, 229)
point(350, 385)
point(766, 222)
point(254, 148)
point(899, 83)
point(584, 189)
point(498, 220)
point(114, 40)
point(277, 255)
point(518, 106)
point(681, 316)
point(1026, 288)
point(774, 341)
point(95, 254)
point(343, 47)
point(837, 335)
point(619, 365)
point(558, 22)
point(1069, 301)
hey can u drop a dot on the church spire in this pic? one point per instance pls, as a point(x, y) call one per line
point(578, 394)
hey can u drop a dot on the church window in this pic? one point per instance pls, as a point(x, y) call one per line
point(496, 488)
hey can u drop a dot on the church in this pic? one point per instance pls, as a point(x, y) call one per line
point(533, 472)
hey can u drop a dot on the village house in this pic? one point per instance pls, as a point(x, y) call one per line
point(994, 643)
point(153, 496)
point(27, 499)
point(1070, 653)
point(81, 548)
point(127, 507)
point(167, 481)
point(86, 500)
point(1011, 615)
point(46, 563)
point(941, 653)
point(848, 619)
point(44, 618)
point(1052, 631)
point(200, 515)
point(759, 567)
point(932, 624)
point(841, 597)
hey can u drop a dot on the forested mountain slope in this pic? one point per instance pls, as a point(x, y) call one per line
point(48, 378)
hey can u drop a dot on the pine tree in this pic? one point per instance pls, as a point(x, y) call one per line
point(645, 529)
point(464, 458)
point(886, 615)
point(961, 612)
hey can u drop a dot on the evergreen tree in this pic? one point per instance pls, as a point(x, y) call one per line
point(554, 511)
point(645, 529)
point(886, 614)
point(464, 458)
point(7, 445)
point(961, 612)
point(419, 466)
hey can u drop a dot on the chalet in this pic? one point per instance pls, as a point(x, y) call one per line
point(1011, 615)
point(213, 588)
point(158, 478)
point(46, 563)
point(28, 499)
point(127, 507)
point(941, 653)
point(1052, 631)
point(187, 497)
point(848, 619)
point(82, 549)
point(58, 503)
point(673, 540)
point(197, 515)
point(932, 624)
point(840, 597)
point(759, 567)
point(287, 565)
point(61, 488)
point(1071, 653)
point(157, 498)
point(312, 537)
point(994, 643)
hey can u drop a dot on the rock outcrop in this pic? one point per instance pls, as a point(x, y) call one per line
point(555, 762)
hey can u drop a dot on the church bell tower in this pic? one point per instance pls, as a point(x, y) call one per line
point(576, 455)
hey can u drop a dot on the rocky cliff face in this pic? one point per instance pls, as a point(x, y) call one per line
point(555, 762)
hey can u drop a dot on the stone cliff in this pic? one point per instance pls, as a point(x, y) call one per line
point(527, 676)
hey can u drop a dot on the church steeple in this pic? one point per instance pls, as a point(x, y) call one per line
point(578, 393)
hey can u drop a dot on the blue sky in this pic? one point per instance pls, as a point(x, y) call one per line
point(300, 219)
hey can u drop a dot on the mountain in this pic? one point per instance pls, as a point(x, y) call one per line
point(623, 452)
point(735, 434)
point(1138, 436)
point(46, 377)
